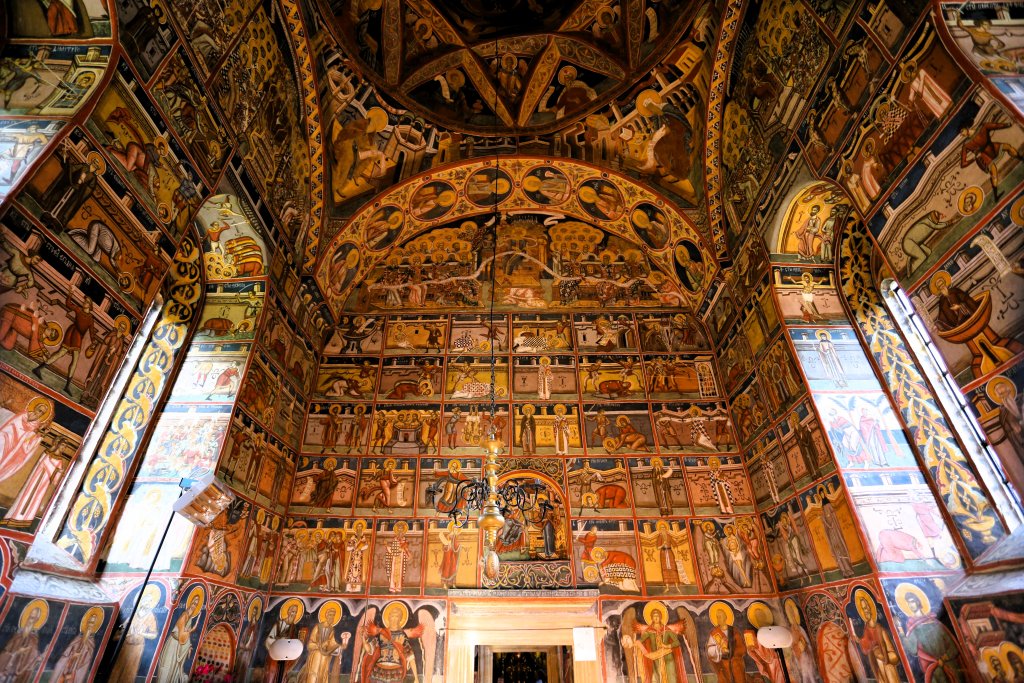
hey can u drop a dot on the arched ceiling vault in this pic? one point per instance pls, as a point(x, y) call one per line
point(629, 98)
point(652, 253)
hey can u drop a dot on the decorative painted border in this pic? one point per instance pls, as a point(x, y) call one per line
point(946, 466)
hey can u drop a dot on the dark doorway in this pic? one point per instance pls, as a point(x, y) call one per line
point(520, 667)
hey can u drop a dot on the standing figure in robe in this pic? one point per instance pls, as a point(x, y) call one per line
point(875, 640)
point(398, 556)
point(21, 658)
point(725, 647)
point(927, 639)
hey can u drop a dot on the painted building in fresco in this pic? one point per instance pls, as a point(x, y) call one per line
point(288, 242)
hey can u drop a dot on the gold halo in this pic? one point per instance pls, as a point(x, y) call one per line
point(150, 596)
point(402, 527)
point(531, 183)
point(661, 524)
point(454, 466)
point(861, 593)
point(456, 79)
point(587, 194)
point(567, 73)
point(330, 464)
point(44, 612)
point(255, 606)
point(909, 71)
point(92, 611)
point(94, 159)
point(196, 592)
point(760, 614)
point(40, 401)
point(905, 589)
point(122, 324)
point(528, 409)
point(395, 219)
point(378, 120)
point(395, 607)
point(560, 409)
point(260, 515)
point(640, 219)
point(995, 383)
point(52, 334)
point(792, 611)
point(283, 611)
point(646, 99)
point(330, 604)
point(359, 526)
point(420, 23)
point(446, 198)
point(939, 277)
point(655, 606)
point(390, 464)
point(544, 360)
point(599, 554)
point(657, 461)
point(721, 608)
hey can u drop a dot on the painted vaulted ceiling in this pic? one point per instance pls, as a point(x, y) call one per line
point(648, 130)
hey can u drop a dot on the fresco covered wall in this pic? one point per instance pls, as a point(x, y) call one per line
point(88, 235)
point(885, 122)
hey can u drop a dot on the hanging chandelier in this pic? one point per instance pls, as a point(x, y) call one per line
point(486, 495)
point(493, 501)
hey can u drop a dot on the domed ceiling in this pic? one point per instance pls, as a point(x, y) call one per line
point(507, 66)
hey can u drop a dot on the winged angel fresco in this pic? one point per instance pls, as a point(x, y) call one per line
point(394, 649)
point(654, 648)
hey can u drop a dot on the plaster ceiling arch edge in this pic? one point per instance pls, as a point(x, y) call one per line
point(625, 197)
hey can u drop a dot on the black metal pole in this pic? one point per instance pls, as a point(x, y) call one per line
point(142, 587)
point(782, 661)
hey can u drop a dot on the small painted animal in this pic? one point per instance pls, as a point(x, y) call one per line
point(216, 327)
point(614, 388)
point(406, 388)
point(611, 496)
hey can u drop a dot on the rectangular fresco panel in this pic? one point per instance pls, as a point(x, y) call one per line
point(972, 305)
point(901, 521)
point(39, 437)
point(21, 143)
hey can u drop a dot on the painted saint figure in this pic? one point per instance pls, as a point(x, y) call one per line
point(144, 628)
point(323, 650)
point(76, 661)
point(875, 640)
point(21, 658)
point(725, 647)
point(927, 639)
point(661, 647)
point(398, 555)
point(175, 657)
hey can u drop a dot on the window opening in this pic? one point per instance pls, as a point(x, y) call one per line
point(948, 392)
